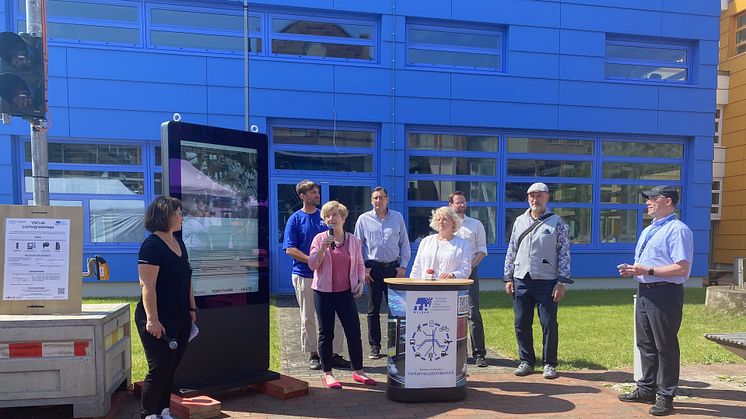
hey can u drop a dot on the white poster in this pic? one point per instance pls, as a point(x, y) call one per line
point(431, 339)
point(37, 259)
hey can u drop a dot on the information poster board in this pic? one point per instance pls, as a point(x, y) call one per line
point(41, 259)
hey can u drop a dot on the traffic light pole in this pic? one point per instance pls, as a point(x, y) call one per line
point(35, 24)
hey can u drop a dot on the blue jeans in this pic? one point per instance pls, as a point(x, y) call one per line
point(528, 294)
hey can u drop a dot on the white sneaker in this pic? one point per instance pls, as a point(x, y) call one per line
point(166, 414)
point(153, 416)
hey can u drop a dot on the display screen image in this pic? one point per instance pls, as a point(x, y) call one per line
point(220, 230)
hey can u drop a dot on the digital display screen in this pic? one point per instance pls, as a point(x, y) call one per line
point(219, 196)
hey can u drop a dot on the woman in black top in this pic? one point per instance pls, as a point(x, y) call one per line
point(166, 310)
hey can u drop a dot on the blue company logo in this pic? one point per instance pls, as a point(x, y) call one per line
point(422, 305)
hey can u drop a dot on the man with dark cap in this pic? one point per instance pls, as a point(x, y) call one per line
point(663, 259)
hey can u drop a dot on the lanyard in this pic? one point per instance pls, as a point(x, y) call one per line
point(652, 231)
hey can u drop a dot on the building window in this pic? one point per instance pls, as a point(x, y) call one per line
point(442, 163)
point(455, 47)
point(647, 61)
point(88, 22)
point(741, 33)
point(112, 182)
point(718, 124)
point(201, 29)
point(717, 191)
point(323, 149)
point(628, 167)
point(323, 38)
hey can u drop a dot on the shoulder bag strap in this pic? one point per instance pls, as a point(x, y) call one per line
point(530, 229)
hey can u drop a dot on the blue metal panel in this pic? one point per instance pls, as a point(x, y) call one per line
point(440, 9)
point(627, 4)
point(707, 76)
point(57, 91)
point(575, 67)
point(532, 39)
point(685, 123)
point(423, 111)
point(579, 118)
point(687, 99)
point(701, 148)
point(293, 104)
point(608, 95)
point(291, 75)
point(708, 52)
point(320, 4)
point(59, 122)
point(228, 71)
point(677, 25)
point(110, 64)
point(226, 100)
point(226, 121)
point(369, 108)
point(582, 43)
point(611, 20)
point(507, 115)
point(532, 64)
point(362, 80)
point(5, 153)
point(431, 84)
point(109, 94)
point(110, 123)
point(57, 61)
point(380, 7)
point(511, 12)
point(504, 89)
point(708, 7)
point(123, 266)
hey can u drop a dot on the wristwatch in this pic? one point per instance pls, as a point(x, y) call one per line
point(651, 271)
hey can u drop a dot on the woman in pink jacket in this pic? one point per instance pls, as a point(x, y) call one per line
point(338, 277)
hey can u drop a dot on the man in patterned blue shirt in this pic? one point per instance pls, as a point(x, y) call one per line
point(537, 267)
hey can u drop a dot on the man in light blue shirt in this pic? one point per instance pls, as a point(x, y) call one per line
point(663, 259)
point(385, 246)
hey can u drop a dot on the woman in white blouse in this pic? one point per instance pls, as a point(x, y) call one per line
point(443, 255)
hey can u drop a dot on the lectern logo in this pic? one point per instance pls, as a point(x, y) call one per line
point(430, 341)
point(422, 305)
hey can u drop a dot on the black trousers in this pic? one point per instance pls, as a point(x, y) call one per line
point(530, 293)
point(476, 328)
point(377, 292)
point(162, 362)
point(658, 318)
point(343, 304)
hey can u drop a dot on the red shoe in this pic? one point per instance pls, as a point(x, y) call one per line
point(362, 379)
point(335, 384)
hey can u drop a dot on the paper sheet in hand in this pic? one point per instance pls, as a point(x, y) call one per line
point(194, 332)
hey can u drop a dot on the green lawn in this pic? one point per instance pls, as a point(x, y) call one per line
point(140, 366)
point(595, 329)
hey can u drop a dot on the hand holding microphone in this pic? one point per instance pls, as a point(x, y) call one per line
point(331, 234)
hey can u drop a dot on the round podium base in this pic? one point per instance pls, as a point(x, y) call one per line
point(419, 395)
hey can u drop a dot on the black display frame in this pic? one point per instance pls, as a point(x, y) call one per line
point(232, 348)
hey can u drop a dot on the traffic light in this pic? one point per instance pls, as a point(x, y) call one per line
point(22, 84)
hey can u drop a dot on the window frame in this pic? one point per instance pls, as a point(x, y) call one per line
point(736, 30)
point(150, 26)
point(373, 43)
point(650, 44)
point(327, 126)
point(138, 25)
point(498, 31)
point(146, 167)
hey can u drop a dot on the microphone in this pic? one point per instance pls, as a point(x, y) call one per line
point(331, 233)
point(172, 343)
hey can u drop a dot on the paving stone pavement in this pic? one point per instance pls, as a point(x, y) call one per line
point(706, 391)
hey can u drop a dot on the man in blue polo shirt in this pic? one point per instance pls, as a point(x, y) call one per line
point(663, 259)
point(300, 230)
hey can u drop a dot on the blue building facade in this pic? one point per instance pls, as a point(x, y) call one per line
point(596, 98)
